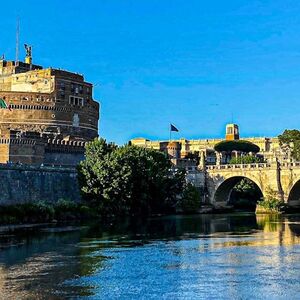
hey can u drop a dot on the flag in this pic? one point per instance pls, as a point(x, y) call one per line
point(173, 128)
point(3, 104)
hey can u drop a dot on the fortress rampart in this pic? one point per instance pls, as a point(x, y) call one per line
point(24, 183)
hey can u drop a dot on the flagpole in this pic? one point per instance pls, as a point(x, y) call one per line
point(170, 132)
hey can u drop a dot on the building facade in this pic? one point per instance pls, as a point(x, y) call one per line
point(46, 115)
point(183, 148)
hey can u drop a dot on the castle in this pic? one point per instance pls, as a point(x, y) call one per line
point(46, 115)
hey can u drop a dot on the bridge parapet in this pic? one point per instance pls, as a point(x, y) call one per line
point(240, 166)
point(290, 164)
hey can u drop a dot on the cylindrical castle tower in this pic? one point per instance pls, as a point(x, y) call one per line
point(45, 104)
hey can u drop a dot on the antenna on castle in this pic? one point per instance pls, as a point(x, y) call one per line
point(17, 39)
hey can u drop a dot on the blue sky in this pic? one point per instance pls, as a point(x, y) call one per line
point(197, 64)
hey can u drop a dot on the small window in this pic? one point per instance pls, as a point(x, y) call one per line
point(61, 85)
point(229, 130)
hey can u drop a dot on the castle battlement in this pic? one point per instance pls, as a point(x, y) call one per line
point(19, 141)
point(67, 143)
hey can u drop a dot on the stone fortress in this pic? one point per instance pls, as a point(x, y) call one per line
point(46, 115)
point(180, 150)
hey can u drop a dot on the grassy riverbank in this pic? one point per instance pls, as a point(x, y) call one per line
point(41, 212)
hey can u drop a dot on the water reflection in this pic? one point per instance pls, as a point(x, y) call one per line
point(169, 257)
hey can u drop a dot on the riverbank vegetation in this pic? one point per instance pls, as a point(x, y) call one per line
point(270, 203)
point(40, 212)
point(245, 195)
point(190, 202)
point(129, 180)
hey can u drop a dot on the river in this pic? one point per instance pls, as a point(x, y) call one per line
point(238, 256)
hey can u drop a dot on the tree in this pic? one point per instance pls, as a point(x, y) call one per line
point(271, 203)
point(239, 145)
point(191, 199)
point(291, 139)
point(245, 194)
point(128, 180)
point(96, 158)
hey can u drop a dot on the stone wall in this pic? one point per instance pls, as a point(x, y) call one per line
point(197, 178)
point(21, 184)
point(63, 158)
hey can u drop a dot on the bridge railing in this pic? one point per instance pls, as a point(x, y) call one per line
point(239, 166)
point(290, 164)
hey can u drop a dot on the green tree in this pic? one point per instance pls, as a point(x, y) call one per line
point(97, 155)
point(238, 145)
point(246, 186)
point(191, 199)
point(245, 194)
point(271, 202)
point(128, 180)
point(291, 139)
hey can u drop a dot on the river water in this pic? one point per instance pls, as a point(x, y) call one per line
point(238, 256)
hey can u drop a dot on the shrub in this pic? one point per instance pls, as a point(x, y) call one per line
point(191, 199)
point(41, 211)
point(247, 159)
point(270, 203)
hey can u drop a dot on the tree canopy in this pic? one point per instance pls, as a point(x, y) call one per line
point(128, 180)
point(237, 145)
point(291, 140)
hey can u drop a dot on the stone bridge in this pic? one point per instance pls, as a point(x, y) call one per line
point(283, 178)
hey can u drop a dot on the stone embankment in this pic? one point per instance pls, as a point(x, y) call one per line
point(23, 183)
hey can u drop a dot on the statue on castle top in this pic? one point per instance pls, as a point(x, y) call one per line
point(28, 50)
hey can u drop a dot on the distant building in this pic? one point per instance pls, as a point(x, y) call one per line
point(46, 116)
point(186, 149)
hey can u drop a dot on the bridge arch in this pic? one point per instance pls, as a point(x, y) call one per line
point(223, 191)
point(294, 194)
